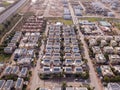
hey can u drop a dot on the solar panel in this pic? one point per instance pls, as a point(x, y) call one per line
point(19, 82)
point(1, 83)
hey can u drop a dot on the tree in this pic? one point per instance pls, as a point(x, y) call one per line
point(64, 85)
point(37, 89)
point(106, 79)
point(85, 75)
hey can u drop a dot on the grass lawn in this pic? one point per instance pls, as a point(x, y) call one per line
point(4, 58)
point(91, 19)
point(5, 3)
point(10, 77)
point(1, 26)
point(24, 87)
point(117, 25)
point(66, 22)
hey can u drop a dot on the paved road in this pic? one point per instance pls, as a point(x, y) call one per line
point(93, 77)
point(35, 78)
point(82, 6)
point(46, 12)
point(11, 10)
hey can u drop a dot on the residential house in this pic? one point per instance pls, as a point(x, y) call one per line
point(23, 72)
point(77, 56)
point(108, 49)
point(106, 70)
point(78, 62)
point(49, 48)
point(46, 70)
point(68, 55)
point(109, 38)
point(70, 88)
point(2, 83)
point(103, 43)
point(48, 55)
point(117, 50)
point(56, 55)
point(81, 88)
point(13, 45)
point(15, 70)
point(26, 61)
point(8, 50)
point(113, 43)
point(78, 70)
point(117, 38)
point(68, 62)
point(67, 49)
point(19, 84)
point(92, 42)
point(56, 70)
point(7, 70)
point(114, 58)
point(113, 86)
point(68, 70)
point(57, 88)
point(8, 85)
point(56, 48)
point(56, 61)
point(75, 49)
point(117, 68)
point(96, 50)
point(100, 58)
point(46, 62)
point(2, 66)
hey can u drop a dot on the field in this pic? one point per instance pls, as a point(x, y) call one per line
point(4, 57)
point(66, 22)
point(117, 25)
point(93, 19)
point(5, 4)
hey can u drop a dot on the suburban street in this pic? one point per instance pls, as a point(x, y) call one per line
point(93, 77)
point(60, 45)
point(35, 82)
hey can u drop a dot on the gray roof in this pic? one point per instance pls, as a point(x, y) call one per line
point(113, 86)
point(81, 88)
point(8, 84)
point(19, 82)
point(57, 88)
point(69, 88)
point(23, 71)
point(2, 82)
point(8, 69)
point(15, 69)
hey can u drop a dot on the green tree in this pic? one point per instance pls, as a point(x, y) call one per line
point(106, 79)
point(64, 85)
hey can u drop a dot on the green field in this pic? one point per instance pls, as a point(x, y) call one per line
point(66, 22)
point(5, 4)
point(117, 25)
point(4, 58)
point(92, 19)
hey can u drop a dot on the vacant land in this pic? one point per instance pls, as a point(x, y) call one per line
point(66, 22)
point(93, 19)
point(117, 25)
